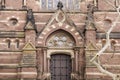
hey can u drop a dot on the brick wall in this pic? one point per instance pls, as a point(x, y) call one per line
point(12, 23)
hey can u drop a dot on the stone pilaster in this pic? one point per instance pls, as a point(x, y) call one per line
point(30, 28)
point(90, 29)
point(28, 62)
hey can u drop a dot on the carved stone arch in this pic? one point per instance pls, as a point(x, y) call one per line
point(50, 29)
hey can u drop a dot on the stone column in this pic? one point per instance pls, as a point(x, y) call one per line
point(45, 58)
point(82, 63)
point(95, 3)
point(48, 65)
point(73, 65)
point(24, 4)
point(116, 3)
point(77, 61)
point(2, 4)
point(76, 49)
point(39, 57)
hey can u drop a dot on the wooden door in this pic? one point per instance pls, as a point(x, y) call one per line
point(60, 67)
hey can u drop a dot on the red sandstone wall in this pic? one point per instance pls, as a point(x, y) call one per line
point(103, 26)
point(13, 4)
point(106, 5)
point(6, 24)
point(9, 60)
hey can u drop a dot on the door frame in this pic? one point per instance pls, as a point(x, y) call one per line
point(67, 51)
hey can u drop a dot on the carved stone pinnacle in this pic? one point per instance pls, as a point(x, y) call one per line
point(60, 5)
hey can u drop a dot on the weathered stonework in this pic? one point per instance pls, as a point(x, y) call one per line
point(29, 55)
point(30, 35)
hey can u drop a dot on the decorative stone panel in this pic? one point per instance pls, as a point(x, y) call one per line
point(91, 50)
point(28, 59)
point(60, 39)
point(29, 55)
point(62, 23)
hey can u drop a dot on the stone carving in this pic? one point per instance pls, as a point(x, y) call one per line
point(90, 19)
point(45, 76)
point(29, 55)
point(75, 76)
point(60, 40)
point(60, 5)
point(30, 24)
point(29, 59)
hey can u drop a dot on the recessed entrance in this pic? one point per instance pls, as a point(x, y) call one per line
point(60, 67)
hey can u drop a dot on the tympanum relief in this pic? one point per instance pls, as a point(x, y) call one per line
point(60, 39)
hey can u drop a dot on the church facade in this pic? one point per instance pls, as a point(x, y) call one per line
point(55, 40)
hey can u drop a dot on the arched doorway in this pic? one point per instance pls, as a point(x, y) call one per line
point(60, 55)
point(60, 67)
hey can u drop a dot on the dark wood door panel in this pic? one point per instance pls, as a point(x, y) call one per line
point(60, 67)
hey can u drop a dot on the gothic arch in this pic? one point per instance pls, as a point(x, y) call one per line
point(50, 29)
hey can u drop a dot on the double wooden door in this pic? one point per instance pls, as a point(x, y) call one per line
point(60, 67)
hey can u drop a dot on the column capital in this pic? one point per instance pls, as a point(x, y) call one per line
point(76, 48)
point(44, 48)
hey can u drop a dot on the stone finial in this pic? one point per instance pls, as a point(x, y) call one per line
point(30, 24)
point(90, 17)
point(90, 12)
point(60, 5)
point(29, 14)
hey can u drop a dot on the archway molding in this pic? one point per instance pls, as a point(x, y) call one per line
point(50, 29)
